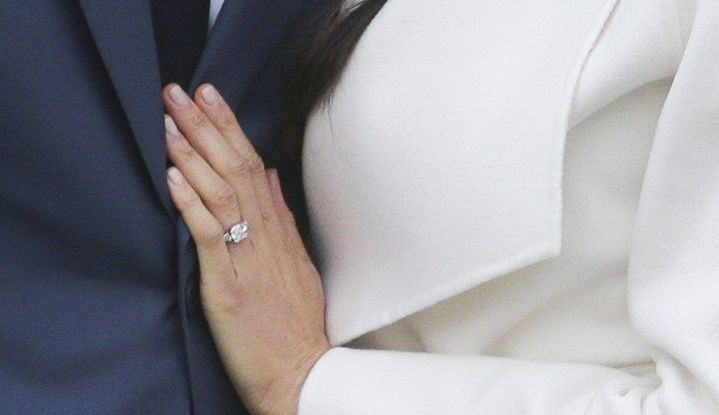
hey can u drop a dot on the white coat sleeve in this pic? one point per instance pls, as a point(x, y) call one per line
point(364, 382)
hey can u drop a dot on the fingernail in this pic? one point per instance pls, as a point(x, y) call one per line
point(178, 96)
point(210, 95)
point(170, 126)
point(175, 176)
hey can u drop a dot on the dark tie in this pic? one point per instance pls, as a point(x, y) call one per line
point(180, 33)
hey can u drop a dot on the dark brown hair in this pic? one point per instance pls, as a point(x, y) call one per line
point(322, 59)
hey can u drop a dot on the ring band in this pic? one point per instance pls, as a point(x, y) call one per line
point(237, 233)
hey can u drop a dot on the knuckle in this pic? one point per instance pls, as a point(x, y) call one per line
point(224, 196)
point(267, 209)
point(227, 118)
point(209, 236)
point(198, 120)
point(186, 200)
point(256, 163)
point(185, 151)
point(289, 219)
point(267, 216)
point(240, 166)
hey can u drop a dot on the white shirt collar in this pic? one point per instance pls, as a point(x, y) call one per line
point(215, 6)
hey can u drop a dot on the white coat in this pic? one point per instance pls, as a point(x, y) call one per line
point(437, 167)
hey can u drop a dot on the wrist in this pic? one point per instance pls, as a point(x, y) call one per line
point(283, 397)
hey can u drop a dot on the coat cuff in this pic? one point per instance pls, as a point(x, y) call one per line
point(321, 385)
point(371, 382)
point(342, 381)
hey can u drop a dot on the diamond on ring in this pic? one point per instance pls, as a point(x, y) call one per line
point(238, 232)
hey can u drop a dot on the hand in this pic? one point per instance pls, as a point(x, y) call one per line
point(262, 297)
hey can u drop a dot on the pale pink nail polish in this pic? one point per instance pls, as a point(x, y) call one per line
point(175, 176)
point(210, 95)
point(170, 126)
point(178, 96)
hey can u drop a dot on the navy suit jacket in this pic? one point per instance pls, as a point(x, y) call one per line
point(99, 310)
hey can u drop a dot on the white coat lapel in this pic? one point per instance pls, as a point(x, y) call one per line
point(475, 95)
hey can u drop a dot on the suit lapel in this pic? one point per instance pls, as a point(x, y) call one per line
point(124, 36)
point(245, 35)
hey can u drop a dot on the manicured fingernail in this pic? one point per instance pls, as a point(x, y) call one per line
point(175, 176)
point(210, 95)
point(178, 96)
point(170, 127)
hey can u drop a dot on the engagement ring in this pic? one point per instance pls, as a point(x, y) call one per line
point(237, 233)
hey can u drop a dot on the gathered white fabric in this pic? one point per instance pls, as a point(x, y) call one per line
point(435, 184)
